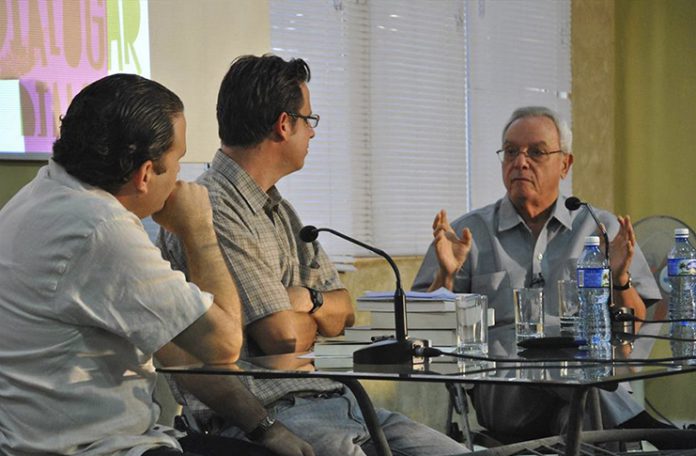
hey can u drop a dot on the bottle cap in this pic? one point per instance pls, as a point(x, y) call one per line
point(681, 232)
point(592, 240)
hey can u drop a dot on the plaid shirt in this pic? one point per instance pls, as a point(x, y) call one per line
point(257, 234)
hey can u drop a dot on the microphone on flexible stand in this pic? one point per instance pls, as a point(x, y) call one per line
point(573, 203)
point(389, 350)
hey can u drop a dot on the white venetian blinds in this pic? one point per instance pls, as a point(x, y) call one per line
point(519, 56)
point(392, 81)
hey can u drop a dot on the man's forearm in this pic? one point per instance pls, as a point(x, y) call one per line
point(226, 395)
point(336, 313)
point(207, 269)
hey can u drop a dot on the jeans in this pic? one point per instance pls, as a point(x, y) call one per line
point(334, 425)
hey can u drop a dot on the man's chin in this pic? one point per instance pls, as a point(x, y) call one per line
point(519, 196)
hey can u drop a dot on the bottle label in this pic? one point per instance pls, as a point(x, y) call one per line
point(681, 267)
point(593, 277)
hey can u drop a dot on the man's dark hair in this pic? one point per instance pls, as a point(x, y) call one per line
point(254, 92)
point(113, 126)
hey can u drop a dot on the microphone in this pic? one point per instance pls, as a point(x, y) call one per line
point(309, 233)
point(573, 203)
point(389, 350)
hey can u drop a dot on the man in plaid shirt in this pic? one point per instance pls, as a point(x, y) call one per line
point(289, 289)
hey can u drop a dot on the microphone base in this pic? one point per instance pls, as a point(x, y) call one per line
point(391, 351)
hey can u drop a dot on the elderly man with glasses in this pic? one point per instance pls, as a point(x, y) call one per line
point(525, 239)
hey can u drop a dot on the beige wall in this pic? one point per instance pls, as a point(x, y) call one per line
point(14, 175)
point(593, 70)
point(193, 44)
point(656, 107)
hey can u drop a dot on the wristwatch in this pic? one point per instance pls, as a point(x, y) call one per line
point(317, 299)
point(260, 430)
point(625, 286)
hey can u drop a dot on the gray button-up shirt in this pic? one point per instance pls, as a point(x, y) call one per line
point(504, 255)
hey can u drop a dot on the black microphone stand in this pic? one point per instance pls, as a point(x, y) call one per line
point(572, 203)
point(399, 350)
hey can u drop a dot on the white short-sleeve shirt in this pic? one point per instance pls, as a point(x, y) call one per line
point(85, 300)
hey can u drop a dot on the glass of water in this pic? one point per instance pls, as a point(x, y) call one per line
point(472, 323)
point(529, 313)
point(568, 306)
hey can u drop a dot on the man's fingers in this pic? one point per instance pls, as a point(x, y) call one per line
point(444, 220)
point(466, 236)
point(439, 218)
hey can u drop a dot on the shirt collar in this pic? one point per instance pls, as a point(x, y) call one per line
point(562, 214)
point(257, 199)
point(508, 217)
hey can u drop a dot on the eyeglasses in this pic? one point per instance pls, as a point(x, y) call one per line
point(312, 121)
point(511, 153)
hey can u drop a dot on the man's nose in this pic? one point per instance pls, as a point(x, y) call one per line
point(522, 159)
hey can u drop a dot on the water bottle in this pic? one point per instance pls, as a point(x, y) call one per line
point(593, 291)
point(681, 268)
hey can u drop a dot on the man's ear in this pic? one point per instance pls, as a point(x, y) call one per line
point(141, 177)
point(567, 163)
point(283, 126)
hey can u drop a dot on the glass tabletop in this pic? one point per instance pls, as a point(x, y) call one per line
point(506, 363)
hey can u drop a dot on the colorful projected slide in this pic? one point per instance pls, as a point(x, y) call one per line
point(51, 49)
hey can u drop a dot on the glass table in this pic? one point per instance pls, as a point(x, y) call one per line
point(505, 364)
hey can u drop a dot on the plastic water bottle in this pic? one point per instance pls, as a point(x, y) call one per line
point(593, 291)
point(681, 268)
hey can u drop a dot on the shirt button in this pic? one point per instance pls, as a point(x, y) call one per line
point(540, 256)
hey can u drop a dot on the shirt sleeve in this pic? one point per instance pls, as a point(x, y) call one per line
point(642, 278)
point(259, 282)
point(119, 282)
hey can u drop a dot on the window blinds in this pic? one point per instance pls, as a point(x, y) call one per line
point(412, 97)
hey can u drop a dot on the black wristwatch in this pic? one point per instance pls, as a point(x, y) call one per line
point(317, 299)
point(259, 431)
point(625, 286)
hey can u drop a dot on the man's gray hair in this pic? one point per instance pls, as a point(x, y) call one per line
point(564, 134)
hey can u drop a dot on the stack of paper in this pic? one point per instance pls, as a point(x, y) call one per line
point(430, 315)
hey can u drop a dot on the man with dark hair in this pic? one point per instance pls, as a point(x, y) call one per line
point(290, 290)
point(529, 239)
point(86, 299)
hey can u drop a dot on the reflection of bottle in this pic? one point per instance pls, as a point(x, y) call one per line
point(681, 267)
point(593, 291)
point(597, 371)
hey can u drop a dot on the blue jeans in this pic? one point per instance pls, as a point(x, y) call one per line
point(334, 425)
